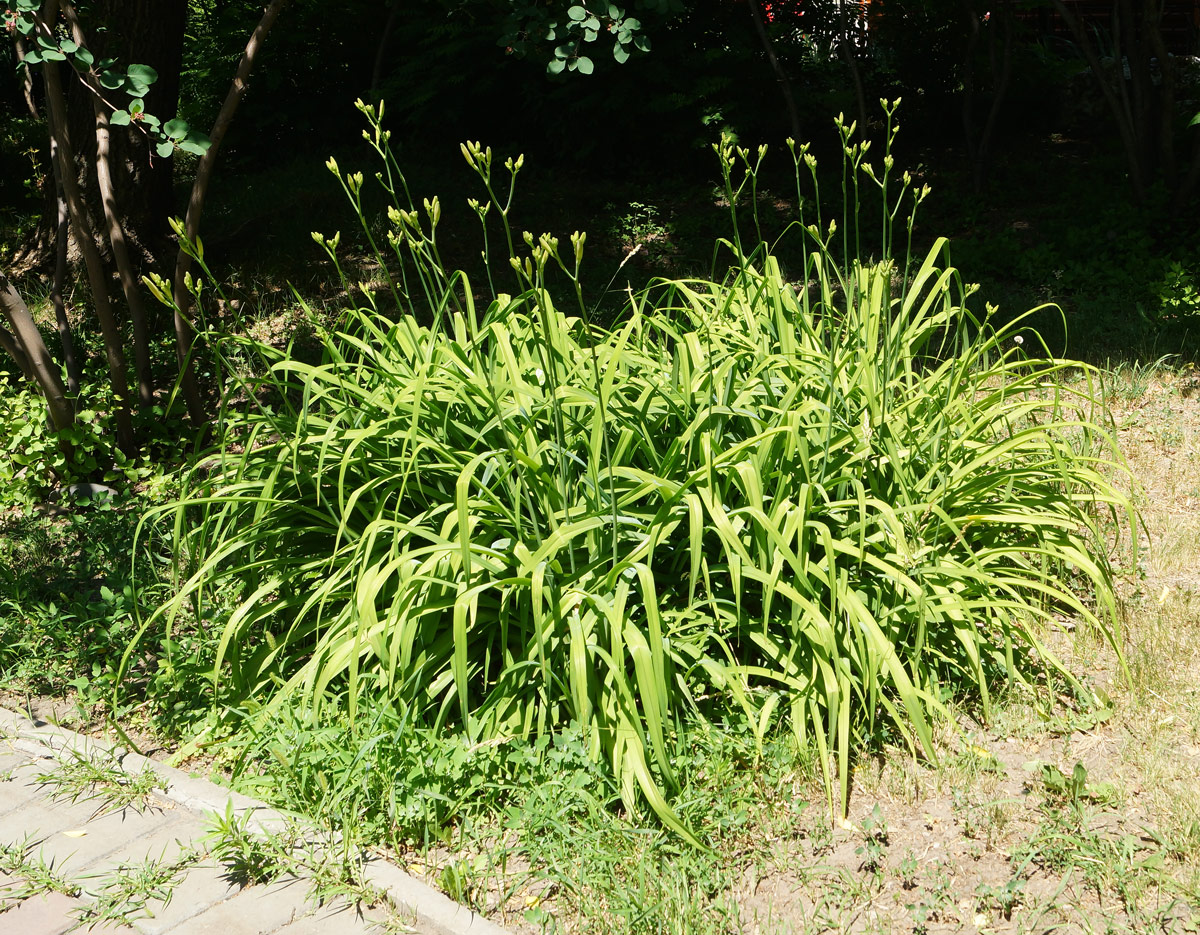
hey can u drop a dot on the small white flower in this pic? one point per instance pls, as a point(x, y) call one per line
point(541, 376)
point(1018, 340)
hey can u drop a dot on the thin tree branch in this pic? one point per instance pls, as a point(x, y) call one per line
point(185, 335)
point(26, 80)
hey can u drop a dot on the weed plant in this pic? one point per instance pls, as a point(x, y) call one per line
point(80, 776)
point(818, 502)
point(66, 597)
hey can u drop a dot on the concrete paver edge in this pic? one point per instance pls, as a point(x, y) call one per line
point(435, 912)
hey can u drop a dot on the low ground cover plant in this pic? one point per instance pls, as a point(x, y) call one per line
point(820, 501)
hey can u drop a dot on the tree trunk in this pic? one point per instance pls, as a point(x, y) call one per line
point(13, 348)
point(146, 32)
point(850, 56)
point(116, 232)
point(377, 68)
point(185, 335)
point(29, 350)
point(1152, 16)
point(785, 86)
point(62, 234)
point(81, 226)
point(1118, 103)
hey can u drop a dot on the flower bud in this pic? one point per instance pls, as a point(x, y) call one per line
point(434, 210)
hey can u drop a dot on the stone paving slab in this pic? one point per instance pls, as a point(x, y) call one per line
point(88, 845)
point(20, 787)
point(166, 843)
point(83, 844)
point(10, 759)
point(338, 919)
point(44, 914)
point(202, 889)
point(255, 910)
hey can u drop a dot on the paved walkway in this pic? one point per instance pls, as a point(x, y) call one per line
point(148, 870)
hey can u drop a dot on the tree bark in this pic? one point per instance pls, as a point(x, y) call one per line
point(81, 226)
point(12, 347)
point(26, 80)
point(28, 346)
point(185, 335)
point(116, 233)
point(65, 335)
